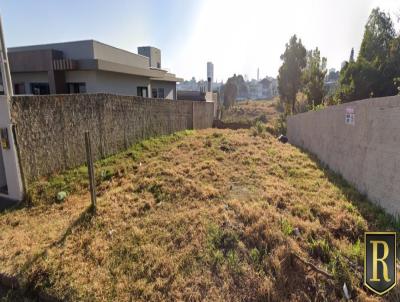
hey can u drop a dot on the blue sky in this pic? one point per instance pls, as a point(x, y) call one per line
point(238, 36)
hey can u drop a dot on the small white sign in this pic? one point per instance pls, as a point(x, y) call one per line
point(350, 116)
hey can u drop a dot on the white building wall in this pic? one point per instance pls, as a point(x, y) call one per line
point(169, 88)
point(100, 81)
point(83, 76)
point(119, 83)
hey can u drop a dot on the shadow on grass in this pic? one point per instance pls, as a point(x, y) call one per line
point(29, 288)
point(376, 216)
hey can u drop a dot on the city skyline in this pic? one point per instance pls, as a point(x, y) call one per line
point(238, 38)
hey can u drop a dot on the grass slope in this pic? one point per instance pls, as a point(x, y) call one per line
point(208, 215)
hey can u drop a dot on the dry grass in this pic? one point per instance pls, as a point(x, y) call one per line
point(251, 111)
point(209, 215)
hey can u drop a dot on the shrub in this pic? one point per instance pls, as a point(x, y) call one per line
point(321, 249)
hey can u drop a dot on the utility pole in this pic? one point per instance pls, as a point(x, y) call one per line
point(5, 67)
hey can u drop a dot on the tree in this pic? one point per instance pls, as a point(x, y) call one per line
point(230, 93)
point(378, 35)
point(242, 89)
point(351, 59)
point(377, 68)
point(289, 78)
point(314, 77)
point(359, 80)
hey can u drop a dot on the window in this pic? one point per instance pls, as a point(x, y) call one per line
point(19, 88)
point(161, 93)
point(40, 88)
point(142, 91)
point(158, 65)
point(157, 93)
point(76, 88)
point(154, 93)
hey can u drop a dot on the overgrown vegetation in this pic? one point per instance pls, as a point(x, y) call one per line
point(177, 225)
point(44, 191)
point(375, 72)
point(263, 115)
point(217, 215)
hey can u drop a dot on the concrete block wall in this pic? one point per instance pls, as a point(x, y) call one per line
point(366, 152)
point(50, 129)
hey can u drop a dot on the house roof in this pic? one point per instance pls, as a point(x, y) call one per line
point(94, 55)
point(168, 77)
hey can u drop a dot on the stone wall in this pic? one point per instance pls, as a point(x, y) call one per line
point(364, 149)
point(50, 129)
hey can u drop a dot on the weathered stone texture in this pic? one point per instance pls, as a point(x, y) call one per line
point(50, 129)
point(367, 154)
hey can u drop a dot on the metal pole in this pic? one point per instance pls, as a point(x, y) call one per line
point(92, 184)
point(5, 67)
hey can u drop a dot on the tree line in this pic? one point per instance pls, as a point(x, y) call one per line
point(375, 72)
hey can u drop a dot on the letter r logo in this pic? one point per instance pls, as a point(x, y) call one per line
point(380, 261)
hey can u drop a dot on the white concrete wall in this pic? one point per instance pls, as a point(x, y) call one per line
point(83, 76)
point(212, 97)
point(100, 81)
point(119, 83)
point(10, 159)
point(169, 88)
point(367, 154)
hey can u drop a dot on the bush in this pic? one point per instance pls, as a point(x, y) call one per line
point(259, 129)
point(280, 125)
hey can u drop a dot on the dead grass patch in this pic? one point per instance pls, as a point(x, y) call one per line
point(215, 215)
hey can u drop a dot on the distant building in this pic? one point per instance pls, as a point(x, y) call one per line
point(331, 81)
point(255, 89)
point(210, 75)
point(193, 85)
point(90, 67)
point(266, 88)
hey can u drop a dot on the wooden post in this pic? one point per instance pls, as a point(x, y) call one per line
point(89, 157)
point(193, 118)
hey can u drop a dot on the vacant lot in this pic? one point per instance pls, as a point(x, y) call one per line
point(250, 111)
point(217, 215)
